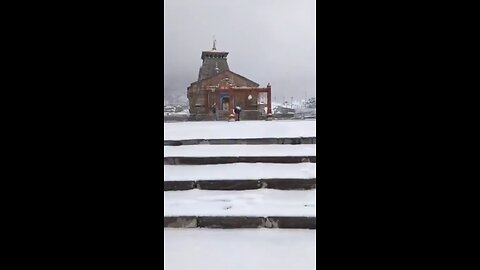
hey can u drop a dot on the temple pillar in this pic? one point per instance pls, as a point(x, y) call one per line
point(232, 100)
point(269, 98)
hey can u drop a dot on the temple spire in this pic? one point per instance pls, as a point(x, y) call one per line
point(214, 62)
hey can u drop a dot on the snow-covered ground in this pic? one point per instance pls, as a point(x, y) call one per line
point(176, 113)
point(270, 150)
point(243, 171)
point(239, 249)
point(259, 202)
point(297, 104)
point(239, 129)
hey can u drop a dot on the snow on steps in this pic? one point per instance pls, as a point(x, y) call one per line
point(238, 171)
point(261, 208)
point(239, 130)
point(230, 222)
point(239, 150)
point(240, 176)
point(282, 184)
point(297, 140)
point(260, 202)
point(222, 154)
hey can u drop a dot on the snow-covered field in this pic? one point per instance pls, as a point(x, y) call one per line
point(242, 171)
point(259, 202)
point(239, 249)
point(239, 130)
point(270, 150)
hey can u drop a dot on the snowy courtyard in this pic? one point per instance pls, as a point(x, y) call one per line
point(239, 249)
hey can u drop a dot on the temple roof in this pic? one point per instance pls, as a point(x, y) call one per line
point(222, 73)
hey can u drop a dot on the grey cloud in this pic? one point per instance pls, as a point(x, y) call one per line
point(270, 41)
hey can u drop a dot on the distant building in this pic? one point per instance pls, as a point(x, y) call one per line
point(218, 87)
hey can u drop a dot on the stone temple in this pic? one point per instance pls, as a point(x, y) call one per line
point(220, 88)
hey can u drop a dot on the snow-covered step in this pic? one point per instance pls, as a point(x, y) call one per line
point(268, 150)
point(239, 249)
point(238, 171)
point(239, 130)
point(248, 203)
point(221, 154)
point(240, 176)
point(296, 140)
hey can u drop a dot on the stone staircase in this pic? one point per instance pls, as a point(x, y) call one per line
point(240, 183)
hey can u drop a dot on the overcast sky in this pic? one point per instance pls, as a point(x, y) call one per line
point(269, 41)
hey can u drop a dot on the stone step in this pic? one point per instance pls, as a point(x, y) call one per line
point(239, 130)
point(237, 222)
point(281, 184)
point(235, 171)
point(222, 154)
point(267, 150)
point(254, 141)
point(258, 202)
point(240, 159)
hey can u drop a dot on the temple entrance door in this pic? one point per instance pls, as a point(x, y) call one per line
point(225, 102)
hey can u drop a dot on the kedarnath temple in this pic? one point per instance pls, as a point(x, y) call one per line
point(220, 90)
